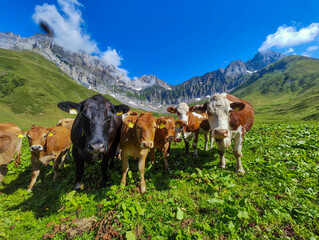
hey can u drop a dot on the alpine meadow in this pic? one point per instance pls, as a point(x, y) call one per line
point(213, 74)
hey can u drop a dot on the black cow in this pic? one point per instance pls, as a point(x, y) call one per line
point(96, 130)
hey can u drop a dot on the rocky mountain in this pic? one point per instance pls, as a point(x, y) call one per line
point(147, 91)
point(221, 80)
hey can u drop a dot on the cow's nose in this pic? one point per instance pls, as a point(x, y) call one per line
point(170, 139)
point(97, 147)
point(35, 148)
point(220, 133)
point(178, 139)
point(147, 144)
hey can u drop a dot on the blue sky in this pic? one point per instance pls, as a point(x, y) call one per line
point(174, 40)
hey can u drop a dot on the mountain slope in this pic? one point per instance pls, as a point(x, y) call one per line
point(285, 90)
point(31, 87)
point(221, 80)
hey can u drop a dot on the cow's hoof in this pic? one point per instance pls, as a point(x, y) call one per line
point(78, 187)
point(143, 189)
point(222, 166)
point(241, 170)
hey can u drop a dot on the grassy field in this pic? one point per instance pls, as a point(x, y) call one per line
point(277, 198)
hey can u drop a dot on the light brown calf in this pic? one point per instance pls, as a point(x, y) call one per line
point(66, 122)
point(137, 138)
point(46, 145)
point(10, 145)
point(164, 135)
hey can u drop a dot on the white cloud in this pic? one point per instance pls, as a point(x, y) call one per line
point(312, 48)
point(111, 57)
point(68, 26)
point(289, 36)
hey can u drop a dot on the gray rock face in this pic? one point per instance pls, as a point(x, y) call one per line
point(148, 91)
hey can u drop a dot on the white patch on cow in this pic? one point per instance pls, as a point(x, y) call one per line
point(182, 110)
point(199, 116)
point(218, 109)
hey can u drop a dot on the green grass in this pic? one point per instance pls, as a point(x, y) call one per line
point(31, 87)
point(277, 198)
point(287, 90)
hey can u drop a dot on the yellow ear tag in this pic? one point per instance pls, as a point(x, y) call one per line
point(73, 111)
point(119, 113)
point(50, 134)
point(162, 125)
point(235, 109)
point(177, 125)
point(130, 125)
point(200, 111)
point(20, 136)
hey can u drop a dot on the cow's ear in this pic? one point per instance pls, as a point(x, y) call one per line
point(70, 107)
point(171, 110)
point(121, 109)
point(199, 108)
point(180, 123)
point(133, 114)
point(160, 123)
point(237, 106)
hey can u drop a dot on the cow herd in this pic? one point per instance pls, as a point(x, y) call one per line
point(102, 130)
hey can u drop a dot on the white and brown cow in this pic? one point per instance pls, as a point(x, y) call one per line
point(10, 145)
point(190, 125)
point(229, 118)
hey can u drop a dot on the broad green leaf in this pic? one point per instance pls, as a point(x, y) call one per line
point(243, 214)
point(130, 235)
point(179, 213)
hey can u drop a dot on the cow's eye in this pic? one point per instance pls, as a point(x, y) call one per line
point(44, 135)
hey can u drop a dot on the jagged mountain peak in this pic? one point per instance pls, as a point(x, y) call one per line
point(263, 59)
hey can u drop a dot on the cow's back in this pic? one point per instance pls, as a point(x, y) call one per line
point(59, 141)
point(66, 122)
point(244, 117)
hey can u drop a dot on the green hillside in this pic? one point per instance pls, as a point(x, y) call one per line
point(287, 90)
point(31, 87)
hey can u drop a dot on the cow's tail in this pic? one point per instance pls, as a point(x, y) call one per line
point(17, 160)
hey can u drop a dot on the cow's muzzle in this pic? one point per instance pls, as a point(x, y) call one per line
point(178, 139)
point(36, 148)
point(147, 144)
point(220, 133)
point(170, 139)
point(96, 148)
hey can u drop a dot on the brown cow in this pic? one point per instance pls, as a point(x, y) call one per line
point(164, 135)
point(190, 125)
point(10, 145)
point(229, 118)
point(66, 122)
point(137, 138)
point(47, 144)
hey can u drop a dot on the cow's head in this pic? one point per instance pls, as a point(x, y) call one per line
point(145, 130)
point(181, 110)
point(95, 122)
point(179, 126)
point(166, 126)
point(219, 109)
point(37, 137)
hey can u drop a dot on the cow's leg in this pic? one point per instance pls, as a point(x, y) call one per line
point(237, 152)
point(221, 149)
point(3, 171)
point(79, 169)
point(55, 167)
point(141, 168)
point(152, 155)
point(35, 172)
point(186, 145)
point(196, 133)
point(165, 155)
point(211, 139)
point(67, 157)
point(206, 140)
point(125, 167)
